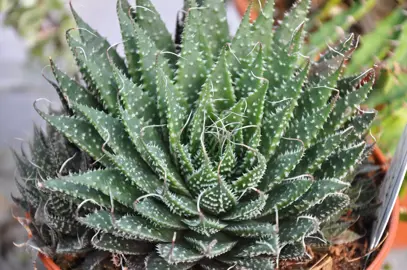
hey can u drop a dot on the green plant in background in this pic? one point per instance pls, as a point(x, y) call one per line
point(200, 153)
point(42, 24)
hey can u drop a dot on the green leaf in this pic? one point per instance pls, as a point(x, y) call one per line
point(247, 210)
point(202, 179)
point(342, 162)
point(289, 25)
point(212, 246)
point(217, 28)
point(281, 165)
point(251, 229)
point(178, 253)
point(247, 82)
point(293, 230)
point(73, 91)
point(192, 66)
point(285, 193)
point(344, 108)
point(307, 127)
point(361, 123)
point(326, 74)
point(150, 21)
point(343, 48)
point(90, 36)
point(79, 132)
point(155, 262)
point(251, 177)
point(135, 101)
point(257, 248)
point(111, 130)
point(176, 118)
point(281, 63)
point(151, 148)
point(42, 156)
point(262, 27)
point(139, 228)
point(130, 40)
point(332, 205)
point(98, 220)
point(228, 161)
point(120, 245)
point(251, 263)
point(294, 251)
point(220, 81)
point(158, 214)
point(205, 225)
point(218, 199)
point(312, 99)
point(109, 182)
point(98, 74)
point(78, 191)
point(138, 174)
point(203, 111)
point(279, 110)
point(319, 152)
point(254, 113)
point(242, 43)
point(273, 126)
point(180, 204)
point(315, 194)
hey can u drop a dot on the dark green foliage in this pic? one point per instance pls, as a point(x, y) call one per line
point(219, 156)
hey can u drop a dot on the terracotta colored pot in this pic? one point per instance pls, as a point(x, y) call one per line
point(242, 5)
point(401, 234)
point(388, 244)
point(400, 240)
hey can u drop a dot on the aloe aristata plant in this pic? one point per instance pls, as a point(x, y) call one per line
point(202, 152)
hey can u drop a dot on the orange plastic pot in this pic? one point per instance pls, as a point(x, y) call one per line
point(380, 159)
point(401, 234)
point(378, 261)
point(242, 5)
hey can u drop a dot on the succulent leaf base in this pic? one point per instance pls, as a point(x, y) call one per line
point(206, 152)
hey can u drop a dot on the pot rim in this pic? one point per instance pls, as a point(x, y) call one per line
point(393, 223)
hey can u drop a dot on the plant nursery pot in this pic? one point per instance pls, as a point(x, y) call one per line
point(242, 5)
point(401, 234)
point(379, 259)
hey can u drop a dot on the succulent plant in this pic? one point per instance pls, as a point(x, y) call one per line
point(206, 152)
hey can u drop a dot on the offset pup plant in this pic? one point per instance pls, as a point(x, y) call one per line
point(203, 153)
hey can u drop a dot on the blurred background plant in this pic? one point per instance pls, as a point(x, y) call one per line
point(41, 23)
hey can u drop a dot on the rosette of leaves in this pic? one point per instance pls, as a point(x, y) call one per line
point(206, 152)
